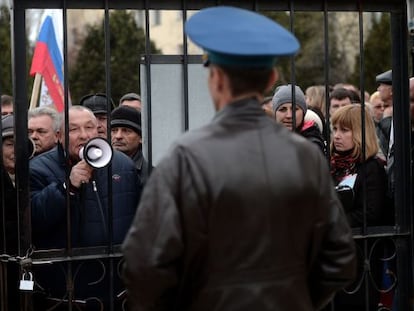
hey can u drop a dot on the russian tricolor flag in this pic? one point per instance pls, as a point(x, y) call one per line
point(48, 62)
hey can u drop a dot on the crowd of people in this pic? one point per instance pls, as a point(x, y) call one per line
point(57, 168)
point(214, 183)
point(353, 142)
point(358, 161)
point(360, 139)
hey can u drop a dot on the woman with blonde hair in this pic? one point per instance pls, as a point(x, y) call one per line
point(315, 97)
point(356, 167)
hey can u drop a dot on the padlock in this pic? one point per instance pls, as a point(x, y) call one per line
point(27, 284)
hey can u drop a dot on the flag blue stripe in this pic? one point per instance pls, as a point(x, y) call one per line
point(47, 35)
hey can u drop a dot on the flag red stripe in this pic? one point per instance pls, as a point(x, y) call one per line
point(42, 63)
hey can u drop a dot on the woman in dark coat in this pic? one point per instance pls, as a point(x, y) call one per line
point(361, 182)
point(365, 178)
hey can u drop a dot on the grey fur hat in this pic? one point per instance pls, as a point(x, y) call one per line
point(283, 95)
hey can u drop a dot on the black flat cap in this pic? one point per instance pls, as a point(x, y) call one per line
point(96, 103)
point(384, 78)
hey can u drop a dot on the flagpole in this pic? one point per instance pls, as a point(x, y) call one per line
point(35, 92)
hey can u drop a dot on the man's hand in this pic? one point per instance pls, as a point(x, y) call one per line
point(80, 174)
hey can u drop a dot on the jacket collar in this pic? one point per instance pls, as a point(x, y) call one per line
point(138, 159)
point(246, 107)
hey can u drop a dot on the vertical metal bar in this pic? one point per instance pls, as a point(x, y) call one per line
point(185, 68)
point(69, 281)
point(410, 16)
point(109, 108)
point(66, 99)
point(66, 125)
point(19, 71)
point(402, 129)
point(363, 125)
point(3, 285)
point(107, 41)
point(18, 36)
point(327, 76)
point(292, 68)
point(69, 266)
point(363, 140)
point(3, 266)
point(361, 53)
point(148, 84)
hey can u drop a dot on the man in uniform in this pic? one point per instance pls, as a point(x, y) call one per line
point(241, 214)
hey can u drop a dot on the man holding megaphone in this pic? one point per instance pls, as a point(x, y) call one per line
point(78, 169)
point(88, 155)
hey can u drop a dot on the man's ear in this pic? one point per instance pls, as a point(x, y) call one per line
point(217, 78)
point(273, 78)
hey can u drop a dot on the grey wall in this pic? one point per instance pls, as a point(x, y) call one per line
point(167, 104)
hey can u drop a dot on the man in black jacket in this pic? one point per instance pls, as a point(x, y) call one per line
point(241, 214)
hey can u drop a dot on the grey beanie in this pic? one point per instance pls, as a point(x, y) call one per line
point(7, 128)
point(283, 95)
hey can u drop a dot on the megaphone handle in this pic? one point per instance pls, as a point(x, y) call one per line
point(98, 200)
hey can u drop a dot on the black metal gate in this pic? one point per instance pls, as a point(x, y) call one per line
point(70, 263)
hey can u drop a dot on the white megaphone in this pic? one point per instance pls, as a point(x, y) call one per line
point(97, 152)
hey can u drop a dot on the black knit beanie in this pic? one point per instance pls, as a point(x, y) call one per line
point(125, 116)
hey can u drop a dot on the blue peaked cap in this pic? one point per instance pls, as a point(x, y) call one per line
point(237, 37)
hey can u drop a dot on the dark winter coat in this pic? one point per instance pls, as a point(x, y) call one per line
point(311, 132)
point(89, 209)
point(9, 210)
point(241, 215)
point(370, 186)
point(383, 129)
point(141, 165)
point(8, 244)
point(89, 220)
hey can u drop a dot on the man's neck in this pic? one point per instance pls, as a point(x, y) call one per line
point(231, 99)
